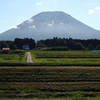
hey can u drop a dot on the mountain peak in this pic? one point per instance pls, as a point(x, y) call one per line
point(56, 16)
point(51, 24)
point(53, 13)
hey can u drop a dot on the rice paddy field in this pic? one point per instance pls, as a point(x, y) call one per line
point(66, 58)
point(17, 56)
point(53, 74)
point(74, 98)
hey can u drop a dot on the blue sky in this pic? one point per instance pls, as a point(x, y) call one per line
point(14, 12)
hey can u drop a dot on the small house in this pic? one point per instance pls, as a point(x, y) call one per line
point(5, 50)
point(25, 47)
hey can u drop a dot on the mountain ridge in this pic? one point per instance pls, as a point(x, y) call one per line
point(51, 24)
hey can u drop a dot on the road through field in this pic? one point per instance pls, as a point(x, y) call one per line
point(29, 58)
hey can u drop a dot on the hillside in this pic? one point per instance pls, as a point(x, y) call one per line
point(51, 24)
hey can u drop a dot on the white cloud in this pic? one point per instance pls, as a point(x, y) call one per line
point(91, 12)
point(50, 25)
point(15, 27)
point(38, 4)
point(97, 8)
point(32, 27)
point(30, 20)
point(94, 10)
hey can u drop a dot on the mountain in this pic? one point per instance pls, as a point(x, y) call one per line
point(51, 24)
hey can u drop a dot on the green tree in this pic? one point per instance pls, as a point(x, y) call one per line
point(90, 47)
point(12, 46)
point(3, 45)
point(97, 47)
point(71, 44)
point(79, 46)
point(20, 42)
point(39, 44)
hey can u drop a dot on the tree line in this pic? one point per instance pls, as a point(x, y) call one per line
point(54, 44)
point(70, 44)
point(18, 43)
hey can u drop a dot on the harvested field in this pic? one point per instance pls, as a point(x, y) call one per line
point(54, 73)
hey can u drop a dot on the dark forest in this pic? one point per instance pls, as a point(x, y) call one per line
point(53, 44)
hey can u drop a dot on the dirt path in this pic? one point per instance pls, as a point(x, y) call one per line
point(29, 58)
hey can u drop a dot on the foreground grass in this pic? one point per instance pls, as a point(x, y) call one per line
point(73, 98)
point(51, 77)
point(50, 74)
point(34, 80)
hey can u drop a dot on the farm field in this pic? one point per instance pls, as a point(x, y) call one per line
point(52, 74)
point(52, 58)
point(13, 56)
point(66, 54)
point(74, 98)
point(66, 58)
